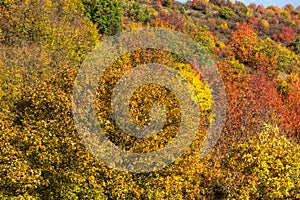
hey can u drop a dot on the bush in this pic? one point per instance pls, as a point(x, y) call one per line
point(226, 12)
point(141, 13)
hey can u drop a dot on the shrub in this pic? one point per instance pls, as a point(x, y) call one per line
point(226, 12)
point(141, 13)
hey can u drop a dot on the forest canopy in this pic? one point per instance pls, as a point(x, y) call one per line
point(256, 50)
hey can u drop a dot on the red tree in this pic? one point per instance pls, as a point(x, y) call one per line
point(290, 122)
point(287, 35)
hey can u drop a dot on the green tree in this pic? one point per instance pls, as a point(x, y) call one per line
point(106, 14)
point(141, 12)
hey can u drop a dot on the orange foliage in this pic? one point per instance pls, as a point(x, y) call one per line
point(260, 9)
point(291, 115)
point(243, 41)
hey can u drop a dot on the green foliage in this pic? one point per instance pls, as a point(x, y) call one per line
point(287, 60)
point(226, 12)
point(182, 10)
point(168, 3)
point(141, 13)
point(106, 14)
point(296, 45)
point(242, 9)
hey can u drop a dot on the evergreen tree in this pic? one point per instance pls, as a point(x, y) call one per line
point(106, 14)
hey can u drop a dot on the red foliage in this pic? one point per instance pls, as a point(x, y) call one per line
point(275, 20)
point(261, 61)
point(290, 122)
point(256, 104)
point(211, 34)
point(235, 82)
point(253, 100)
point(243, 41)
point(287, 35)
point(253, 20)
point(260, 9)
point(172, 20)
point(263, 96)
point(294, 17)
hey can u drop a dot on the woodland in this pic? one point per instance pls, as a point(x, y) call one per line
point(256, 50)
